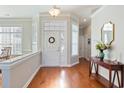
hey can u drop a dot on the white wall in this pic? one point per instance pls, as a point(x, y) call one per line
point(106, 14)
point(87, 47)
point(27, 33)
point(81, 43)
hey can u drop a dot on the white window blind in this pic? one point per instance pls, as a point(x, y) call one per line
point(11, 37)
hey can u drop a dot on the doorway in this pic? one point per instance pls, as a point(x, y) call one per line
point(54, 43)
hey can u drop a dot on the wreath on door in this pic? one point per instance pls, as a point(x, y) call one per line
point(51, 40)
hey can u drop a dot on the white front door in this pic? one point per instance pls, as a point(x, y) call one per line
point(54, 43)
point(51, 48)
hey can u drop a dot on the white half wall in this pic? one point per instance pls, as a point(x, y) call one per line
point(19, 72)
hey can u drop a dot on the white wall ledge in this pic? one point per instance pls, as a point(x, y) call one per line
point(9, 64)
point(18, 72)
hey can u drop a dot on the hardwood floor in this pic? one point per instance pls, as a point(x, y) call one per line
point(73, 77)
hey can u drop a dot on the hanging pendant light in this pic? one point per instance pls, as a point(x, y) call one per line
point(54, 11)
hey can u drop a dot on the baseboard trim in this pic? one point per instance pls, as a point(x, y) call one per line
point(74, 63)
point(55, 66)
point(70, 65)
point(31, 78)
point(48, 66)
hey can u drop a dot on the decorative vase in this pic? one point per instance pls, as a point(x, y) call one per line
point(101, 55)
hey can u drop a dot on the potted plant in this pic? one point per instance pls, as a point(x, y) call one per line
point(101, 47)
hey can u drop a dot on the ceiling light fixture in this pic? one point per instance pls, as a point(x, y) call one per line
point(85, 20)
point(54, 11)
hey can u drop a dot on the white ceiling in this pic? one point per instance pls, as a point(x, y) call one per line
point(83, 11)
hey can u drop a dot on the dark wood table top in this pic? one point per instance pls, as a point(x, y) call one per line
point(107, 63)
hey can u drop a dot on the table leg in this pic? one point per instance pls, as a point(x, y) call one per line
point(95, 67)
point(97, 70)
point(122, 77)
point(114, 78)
point(90, 68)
point(119, 84)
point(110, 76)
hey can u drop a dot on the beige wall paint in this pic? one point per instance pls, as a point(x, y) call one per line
point(116, 15)
point(27, 33)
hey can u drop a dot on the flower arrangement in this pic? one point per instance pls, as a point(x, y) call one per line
point(102, 46)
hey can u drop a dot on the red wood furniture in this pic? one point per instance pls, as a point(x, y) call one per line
point(111, 66)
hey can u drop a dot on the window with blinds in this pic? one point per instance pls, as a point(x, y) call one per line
point(11, 37)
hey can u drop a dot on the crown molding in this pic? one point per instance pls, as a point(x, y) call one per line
point(15, 19)
point(99, 10)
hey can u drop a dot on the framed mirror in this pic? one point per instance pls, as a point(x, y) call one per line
point(107, 33)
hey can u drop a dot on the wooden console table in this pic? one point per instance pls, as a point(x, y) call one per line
point(111, 66)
